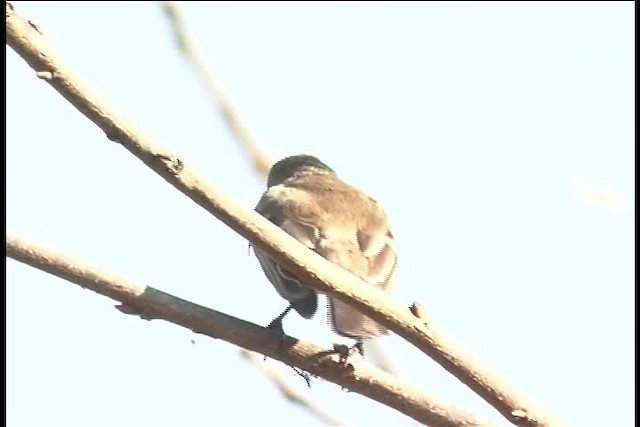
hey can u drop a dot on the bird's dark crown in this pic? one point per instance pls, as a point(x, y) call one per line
point(294, 165)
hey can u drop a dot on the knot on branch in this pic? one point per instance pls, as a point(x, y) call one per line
point(173, 164)
point(418, 310)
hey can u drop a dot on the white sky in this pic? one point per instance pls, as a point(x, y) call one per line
point(499, 137)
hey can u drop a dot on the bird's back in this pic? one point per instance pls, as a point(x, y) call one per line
point(346, 227)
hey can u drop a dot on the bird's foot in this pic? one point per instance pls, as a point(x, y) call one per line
point(276, 327)
point(276, 324)
point(359, 347)
point(345, 352)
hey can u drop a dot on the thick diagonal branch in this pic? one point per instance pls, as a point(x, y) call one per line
point(24, 38)
point(354, 374)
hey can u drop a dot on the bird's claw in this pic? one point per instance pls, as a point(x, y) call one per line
point(345, 352)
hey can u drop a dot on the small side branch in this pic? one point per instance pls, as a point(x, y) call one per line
point(289, 393)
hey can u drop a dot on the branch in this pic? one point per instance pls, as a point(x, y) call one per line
point(239, 127)
point(318, 273)
point(149, 303)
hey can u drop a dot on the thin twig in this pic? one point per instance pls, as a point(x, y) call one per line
point(310, 267)
point(240, 128)
point(289, 393)
point(149, 303)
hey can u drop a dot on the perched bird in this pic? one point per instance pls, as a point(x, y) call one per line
point(306, 199)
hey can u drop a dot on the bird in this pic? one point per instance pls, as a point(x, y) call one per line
point(308, 200)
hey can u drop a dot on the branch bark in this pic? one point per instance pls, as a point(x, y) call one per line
point(149, 303)
point(24, 38)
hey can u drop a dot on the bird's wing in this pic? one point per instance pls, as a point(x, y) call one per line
point(278, 211)
point(373, 258)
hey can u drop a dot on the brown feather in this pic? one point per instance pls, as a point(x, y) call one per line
point(343, 225)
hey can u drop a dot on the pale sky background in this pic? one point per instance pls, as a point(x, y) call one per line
point(499, 137)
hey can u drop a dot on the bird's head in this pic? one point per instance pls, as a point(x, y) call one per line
point(291, 166)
